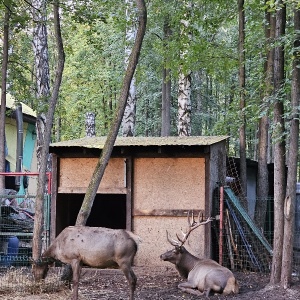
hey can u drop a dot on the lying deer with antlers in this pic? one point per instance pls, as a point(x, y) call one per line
point(204, 276)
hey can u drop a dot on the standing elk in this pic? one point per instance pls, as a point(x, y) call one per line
point(204, 276)
point(96, 247)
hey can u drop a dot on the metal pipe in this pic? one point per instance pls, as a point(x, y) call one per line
point(19, 153)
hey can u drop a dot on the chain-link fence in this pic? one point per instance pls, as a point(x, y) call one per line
point(16, 232)
point(240, 243)
point(16, 225)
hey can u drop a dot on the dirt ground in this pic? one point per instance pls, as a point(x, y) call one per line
point(160, 284)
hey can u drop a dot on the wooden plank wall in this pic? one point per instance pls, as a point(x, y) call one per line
point(164, 190)
point(75, 175)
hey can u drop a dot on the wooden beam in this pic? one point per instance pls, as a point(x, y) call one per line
point(166, 212)
point(53, 200)
point(82, 190)
point(129, 200)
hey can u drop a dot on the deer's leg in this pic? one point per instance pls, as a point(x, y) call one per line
point(130, 276)
point(190, 288)
point(67, 275)
point(76, 268)
point(207, 292)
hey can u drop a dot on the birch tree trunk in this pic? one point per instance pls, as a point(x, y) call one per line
point(128, 127)
point(184, 81)
point(279, 147)
point(3, 94)
point(242, 130)
point(184, 105)
point(90, 124)
point(290, 199)
point(263, 132)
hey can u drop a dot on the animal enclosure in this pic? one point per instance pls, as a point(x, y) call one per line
point(148, 187)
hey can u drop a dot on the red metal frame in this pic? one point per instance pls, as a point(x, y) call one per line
point(29, 174)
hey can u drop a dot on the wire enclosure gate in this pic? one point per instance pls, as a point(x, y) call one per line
point(16, 224)
point(239, 243)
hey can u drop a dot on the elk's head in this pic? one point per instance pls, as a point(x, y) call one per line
point(40, 268)
point(174, 256)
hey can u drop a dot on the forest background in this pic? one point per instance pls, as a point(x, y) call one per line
point(94, 34)
point(206, 68)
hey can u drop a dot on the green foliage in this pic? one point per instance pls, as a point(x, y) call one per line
point(20, 66)
point(92, 76)
point(94, 41)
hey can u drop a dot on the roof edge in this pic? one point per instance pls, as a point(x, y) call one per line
point(98, 142)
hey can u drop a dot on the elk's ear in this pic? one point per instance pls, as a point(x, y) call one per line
point(178, 249)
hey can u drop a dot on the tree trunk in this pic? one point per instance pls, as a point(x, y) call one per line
point(197, 79)
point(115, 125)
point(184, 105)
point(290, 199)
point(184, 81)
point(279, 147)
point(166, 89)
point(39, 202)
point(130, 109)
point(242, 130)
point(90, 124)
point(3, 94)
point(166, 104)
point(40, 48)
point(263, 131)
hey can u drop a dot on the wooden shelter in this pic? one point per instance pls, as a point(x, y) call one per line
point(20, 142)
point(149, 185)
point(29, 135)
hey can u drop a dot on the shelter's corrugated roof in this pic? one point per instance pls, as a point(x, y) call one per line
point(98, 142)
point(10, 103)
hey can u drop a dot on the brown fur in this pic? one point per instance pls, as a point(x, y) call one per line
point(204, 276)
point(97, 247)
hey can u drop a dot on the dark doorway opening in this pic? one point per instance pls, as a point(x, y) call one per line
point(109, 210)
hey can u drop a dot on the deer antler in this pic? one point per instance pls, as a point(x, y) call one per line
point(172, 241)
point(192, 225)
